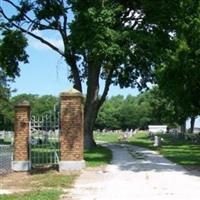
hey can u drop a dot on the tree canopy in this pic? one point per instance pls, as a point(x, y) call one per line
point(12, 53)
point(179, 74)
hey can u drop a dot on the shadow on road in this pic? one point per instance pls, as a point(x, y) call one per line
point(138, 159)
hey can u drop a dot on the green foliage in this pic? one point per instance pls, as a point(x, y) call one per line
point(12, 45)
point(109, 114)
point(40, 105)
point(178, 76)
point(150, 107)
point(12, 52)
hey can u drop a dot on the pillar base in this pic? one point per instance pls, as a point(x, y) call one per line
point(71, 165)
point(21, 166)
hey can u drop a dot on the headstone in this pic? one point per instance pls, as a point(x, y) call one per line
point(157, 141)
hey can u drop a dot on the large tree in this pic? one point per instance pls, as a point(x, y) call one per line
point(112, 40)
point(179, 74)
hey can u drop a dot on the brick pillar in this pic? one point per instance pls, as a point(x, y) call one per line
point(21, 138)
point(71, 137)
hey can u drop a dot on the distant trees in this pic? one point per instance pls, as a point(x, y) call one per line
point(40, 105)
point(132, 112)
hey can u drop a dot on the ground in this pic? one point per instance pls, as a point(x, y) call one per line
point(35, 182)
point(136, 173)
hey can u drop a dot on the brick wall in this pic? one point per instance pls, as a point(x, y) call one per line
point(21, 137)
point(71, 126)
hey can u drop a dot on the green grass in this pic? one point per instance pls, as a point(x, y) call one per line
point(108, 137)
point(34, 195)
point(141, 139)
point(183, 152)
point(179, 151)
point(98, 156)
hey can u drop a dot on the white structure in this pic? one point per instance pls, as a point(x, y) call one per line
point(157, 128)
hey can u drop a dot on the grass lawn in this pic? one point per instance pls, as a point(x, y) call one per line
point(98, 156)
point(179, 151)
point(183, 152)
point(107, 137)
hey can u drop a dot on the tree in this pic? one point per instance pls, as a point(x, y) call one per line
point(115, 41)
point(12, 45)
point(178, 76)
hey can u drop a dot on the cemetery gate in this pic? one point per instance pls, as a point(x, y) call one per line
point(52, 139)
point(44, 144)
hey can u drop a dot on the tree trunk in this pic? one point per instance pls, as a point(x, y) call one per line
point(192, 121)
point(71, 60)
point(91, 106)
point(183, 128)
point(90, 118)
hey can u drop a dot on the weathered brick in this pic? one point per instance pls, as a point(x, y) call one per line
point(21, 137)
point(71, 126)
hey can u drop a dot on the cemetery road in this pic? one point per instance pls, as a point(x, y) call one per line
point(136, 174)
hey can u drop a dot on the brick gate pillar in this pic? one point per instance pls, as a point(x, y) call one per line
point(71, 136)
point(21, 160)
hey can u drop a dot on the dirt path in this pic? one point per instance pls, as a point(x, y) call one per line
point(136, 174)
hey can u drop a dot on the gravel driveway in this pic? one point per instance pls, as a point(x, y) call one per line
point(136, 174)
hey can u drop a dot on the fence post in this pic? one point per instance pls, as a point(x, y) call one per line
point(71, 137)
point(21, 160)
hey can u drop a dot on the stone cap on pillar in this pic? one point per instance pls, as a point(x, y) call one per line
point(22, 104)
point(71, 93)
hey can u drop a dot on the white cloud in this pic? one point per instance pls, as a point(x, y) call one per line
point(36, 44)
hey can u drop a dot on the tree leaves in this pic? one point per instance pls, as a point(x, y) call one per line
point(12, 52)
